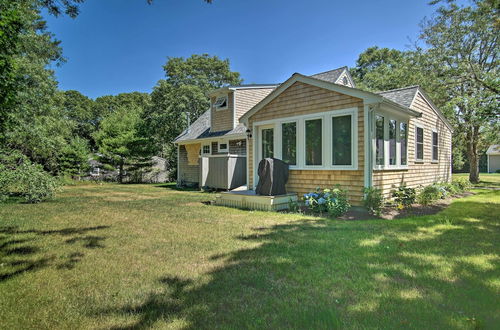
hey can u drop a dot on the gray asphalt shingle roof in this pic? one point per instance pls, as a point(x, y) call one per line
point(403, 96)
point(200, 129)
point(330, 76)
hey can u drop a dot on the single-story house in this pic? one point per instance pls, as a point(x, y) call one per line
point(326, 129)
point(493, 154)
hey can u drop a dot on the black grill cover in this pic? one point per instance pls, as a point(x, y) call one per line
point(273, 175)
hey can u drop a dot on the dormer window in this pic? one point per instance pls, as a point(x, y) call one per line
point(221, 103)
point(345, 81)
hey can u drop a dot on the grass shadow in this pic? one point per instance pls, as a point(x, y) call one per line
point(416, 272)
point(21, 250)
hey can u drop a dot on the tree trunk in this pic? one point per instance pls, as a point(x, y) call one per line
point(473, 156)
point(120, 172)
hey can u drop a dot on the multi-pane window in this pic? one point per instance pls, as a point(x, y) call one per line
point(435, 146)
point(379, 140)
point(403, 140)
point(341, 140)
point(419, 143)
point(392, 142)
point(205, 149)
point(289, 143)
point(314, 142)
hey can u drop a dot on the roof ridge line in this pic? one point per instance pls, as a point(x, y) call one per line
point(398, 89)
point(342, 67)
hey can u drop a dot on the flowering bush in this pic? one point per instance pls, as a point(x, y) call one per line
point(332, 201)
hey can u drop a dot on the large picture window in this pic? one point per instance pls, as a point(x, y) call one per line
point(403, 140)
point(379, 140)
point(289, 143)
point(435, 146)
point(314, 142)
point(419, 143)
point(341, 140)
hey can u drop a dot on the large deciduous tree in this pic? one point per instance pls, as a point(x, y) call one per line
point(182, 95)
point(463, 45)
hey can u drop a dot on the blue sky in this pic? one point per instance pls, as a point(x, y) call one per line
point(117, 46)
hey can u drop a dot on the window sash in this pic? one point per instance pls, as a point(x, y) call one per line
point(221, 102)
point(403, 140)
point(289, 143)
point(314, 142)
point(435, 146)
point(379, 140)
point(220, 147)
point(392, 141)
point(204, 150)
point(341, 144)
point(267, 143)
point(419, 143)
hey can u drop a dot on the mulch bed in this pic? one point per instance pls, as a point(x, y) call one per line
point(390, 213)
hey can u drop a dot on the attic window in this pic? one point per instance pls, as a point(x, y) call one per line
point(221, 103)
point(345, 81)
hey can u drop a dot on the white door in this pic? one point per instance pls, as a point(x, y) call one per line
point(265, 147)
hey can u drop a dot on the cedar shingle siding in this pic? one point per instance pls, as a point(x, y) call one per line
point(301, 99)
point(428, 171)
point(222, 120)
point(187, 173)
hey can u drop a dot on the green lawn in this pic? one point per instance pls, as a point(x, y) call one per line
point(140, 256)
point(485, 179)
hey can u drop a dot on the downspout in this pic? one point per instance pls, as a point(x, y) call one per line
point(368, 181)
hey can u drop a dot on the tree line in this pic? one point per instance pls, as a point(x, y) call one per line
point(56, 132)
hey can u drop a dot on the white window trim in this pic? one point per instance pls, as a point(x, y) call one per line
point(387, 118)
point(326, 136)
point(227, 102)
point(219, 149)
point(436, 160)
point(209, 144)
point(418, 160)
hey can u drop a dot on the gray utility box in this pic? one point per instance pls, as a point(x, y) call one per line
point(223, 172)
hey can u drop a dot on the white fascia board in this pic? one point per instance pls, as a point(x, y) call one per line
point(214, 138)
point(399, 110)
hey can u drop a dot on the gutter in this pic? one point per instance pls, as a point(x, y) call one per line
point(232, 136)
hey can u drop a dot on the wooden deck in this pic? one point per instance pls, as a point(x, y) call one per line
point(247, 199)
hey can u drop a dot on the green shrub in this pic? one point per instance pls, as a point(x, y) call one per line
point(373, 200)
point(450, 188)
point(293, 206)
point(332, 201)
point(404, 196)
point(20, 177)
point(461, 184)
point(430, 194)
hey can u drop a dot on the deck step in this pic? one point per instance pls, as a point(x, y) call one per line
point(247, 199)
